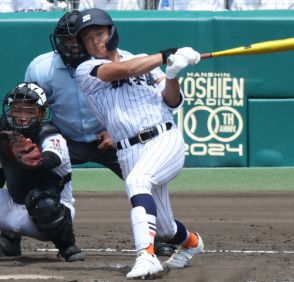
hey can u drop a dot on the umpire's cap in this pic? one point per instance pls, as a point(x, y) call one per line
point(95, 16)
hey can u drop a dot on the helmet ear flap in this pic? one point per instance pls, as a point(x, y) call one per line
point(113, 40)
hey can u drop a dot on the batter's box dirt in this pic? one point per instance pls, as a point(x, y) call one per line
point(248, 237)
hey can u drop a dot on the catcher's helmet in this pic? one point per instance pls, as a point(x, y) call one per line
point(25, 108)
point(71, 54)
point(95, 16)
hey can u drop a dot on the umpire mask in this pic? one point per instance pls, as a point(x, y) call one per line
point(64, 43)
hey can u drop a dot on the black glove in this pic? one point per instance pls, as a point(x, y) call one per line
point(166, 53)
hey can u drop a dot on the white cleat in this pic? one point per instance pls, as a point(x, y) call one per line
point(182, 257)
point(146, 266)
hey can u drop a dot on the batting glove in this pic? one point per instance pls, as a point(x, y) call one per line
point(177, 63)
point(191, 55)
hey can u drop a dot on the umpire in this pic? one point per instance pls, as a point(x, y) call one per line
point(54, 72)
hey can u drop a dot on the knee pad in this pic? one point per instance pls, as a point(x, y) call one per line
point(51, 217)
point(45, 208)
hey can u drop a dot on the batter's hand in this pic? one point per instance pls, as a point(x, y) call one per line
point(190, 54)
point(104, 141)
point(179, 62)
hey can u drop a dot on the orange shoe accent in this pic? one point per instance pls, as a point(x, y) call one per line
point(150, 249)
point(192, 241)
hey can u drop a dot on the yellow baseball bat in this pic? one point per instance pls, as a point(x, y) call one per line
point(254, 49)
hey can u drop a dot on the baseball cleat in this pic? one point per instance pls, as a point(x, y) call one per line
point(182, 257)
point(145, 267)
point(10, 246)
point(72, 253)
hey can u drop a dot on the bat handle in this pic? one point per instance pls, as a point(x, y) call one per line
point(206, 56)
point(170, 60)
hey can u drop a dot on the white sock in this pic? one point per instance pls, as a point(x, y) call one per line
point(144, 228)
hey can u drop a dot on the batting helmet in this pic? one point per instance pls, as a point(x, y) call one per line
point(95, 16)
point(71, 55)
point(29, 97)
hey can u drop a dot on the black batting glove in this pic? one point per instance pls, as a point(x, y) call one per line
point(166, 53)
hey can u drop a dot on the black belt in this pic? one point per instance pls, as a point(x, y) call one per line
point(144, 136)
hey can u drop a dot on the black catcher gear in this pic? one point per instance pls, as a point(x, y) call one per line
point(72, 253)
point(63, 42)
point(94, 17)
point(9, 245)
point(53, 219)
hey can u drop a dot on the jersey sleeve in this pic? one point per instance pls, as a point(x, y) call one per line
point(85, 80)
point(56, 144)
point(157, 73)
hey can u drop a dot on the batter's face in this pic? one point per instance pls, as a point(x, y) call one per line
point(94, 39)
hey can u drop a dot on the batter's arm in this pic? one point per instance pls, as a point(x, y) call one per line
point(134, 67)
point(171, 92)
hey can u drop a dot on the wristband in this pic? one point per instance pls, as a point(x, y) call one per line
point(166, 53)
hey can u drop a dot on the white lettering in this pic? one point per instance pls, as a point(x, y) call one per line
point(227, 128)
point(212, 149)
point(225, 88)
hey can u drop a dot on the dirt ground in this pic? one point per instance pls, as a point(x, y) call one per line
point(248, 237)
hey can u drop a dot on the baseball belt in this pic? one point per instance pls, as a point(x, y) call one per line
point(144, 135)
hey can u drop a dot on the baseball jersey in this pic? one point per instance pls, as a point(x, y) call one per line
point(126, 106)
point(70, 110)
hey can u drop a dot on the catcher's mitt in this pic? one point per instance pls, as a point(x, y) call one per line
point(21, 149)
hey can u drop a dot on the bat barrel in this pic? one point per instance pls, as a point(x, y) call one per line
point(255, 49)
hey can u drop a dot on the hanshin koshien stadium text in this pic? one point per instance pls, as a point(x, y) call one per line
point(213, 89)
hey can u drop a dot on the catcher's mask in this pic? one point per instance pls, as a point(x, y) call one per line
point(64, 43)
point(95, 16)
point(25, 108)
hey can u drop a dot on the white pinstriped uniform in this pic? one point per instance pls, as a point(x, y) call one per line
point(125, 108)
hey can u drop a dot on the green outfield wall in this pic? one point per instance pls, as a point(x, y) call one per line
point(238, 110)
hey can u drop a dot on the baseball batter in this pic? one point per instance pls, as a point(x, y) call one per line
point(38, 201)
point(131, 97)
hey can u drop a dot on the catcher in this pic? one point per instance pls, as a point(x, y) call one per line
point(38, 200)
